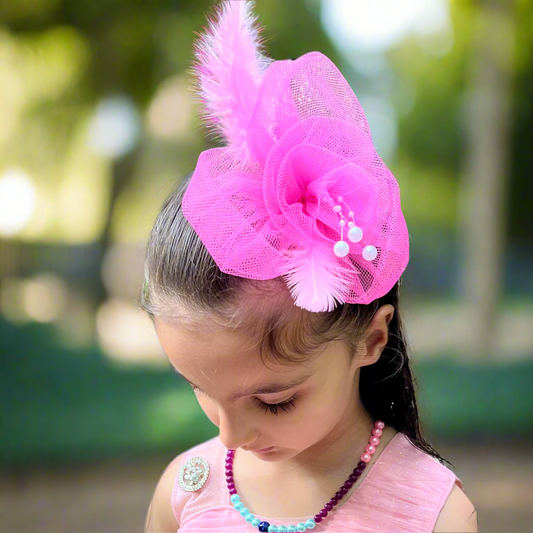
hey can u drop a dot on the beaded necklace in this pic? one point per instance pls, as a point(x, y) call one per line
point(312, 522)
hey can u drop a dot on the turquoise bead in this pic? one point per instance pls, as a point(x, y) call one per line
point(282, 529)
point(235, 498)
point(245, 511)
point(272, 528)
point(310, 524)
point(238, 506)
point(256, 522)
point(301, 527)
point(250, 518)
point(292, 529)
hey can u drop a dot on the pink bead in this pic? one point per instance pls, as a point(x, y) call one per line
point(365, 458)
point(379, 424)
point(377, 432)
point(370, 449)
point(233, 491)
point(231, 486)
point(374, 441)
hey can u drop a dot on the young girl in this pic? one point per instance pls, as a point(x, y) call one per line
point(272, 279)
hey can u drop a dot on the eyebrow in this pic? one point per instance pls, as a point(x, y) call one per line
point(267, 389)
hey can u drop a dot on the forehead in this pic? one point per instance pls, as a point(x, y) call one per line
point(211, 353)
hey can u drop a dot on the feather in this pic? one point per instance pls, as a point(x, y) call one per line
point(227, 73)
point(315, 278)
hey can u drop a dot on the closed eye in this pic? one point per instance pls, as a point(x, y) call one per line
point(286, 406)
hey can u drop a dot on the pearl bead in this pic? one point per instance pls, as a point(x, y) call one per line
point(374, 441)
point(370, 449)
point(340, 198)
point(379, 424)
point(377, 432)
point(351, 214)
point(337, 208)
point(341, 249)
point(365, 457)
point(342, 223)
point(355, 234)
point(351, 224)
point(369, 252)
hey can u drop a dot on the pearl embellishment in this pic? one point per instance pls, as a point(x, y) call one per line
point(370, 252)
point(341, 249)
point(355, 234)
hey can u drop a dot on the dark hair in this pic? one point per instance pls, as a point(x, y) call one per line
point(181, 274)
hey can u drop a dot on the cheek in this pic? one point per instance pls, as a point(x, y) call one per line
point(320, 415)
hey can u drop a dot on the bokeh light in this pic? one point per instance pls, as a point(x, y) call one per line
point(17, 201)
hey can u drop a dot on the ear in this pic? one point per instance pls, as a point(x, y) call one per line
point(376, 336)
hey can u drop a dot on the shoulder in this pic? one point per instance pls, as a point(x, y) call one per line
point(160, 515)
point(457, 514)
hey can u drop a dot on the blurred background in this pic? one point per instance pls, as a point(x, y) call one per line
point(98, 125)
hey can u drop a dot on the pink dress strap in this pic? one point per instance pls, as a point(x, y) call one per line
point(404, 491)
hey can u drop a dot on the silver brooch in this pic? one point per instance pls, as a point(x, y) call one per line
point(193, 474)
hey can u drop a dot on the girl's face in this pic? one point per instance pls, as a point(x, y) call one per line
point(318, 403)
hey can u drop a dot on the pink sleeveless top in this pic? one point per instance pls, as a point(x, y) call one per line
point(404, 490)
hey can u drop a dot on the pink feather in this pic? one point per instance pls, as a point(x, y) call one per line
point(228, 71)
point(315, 280)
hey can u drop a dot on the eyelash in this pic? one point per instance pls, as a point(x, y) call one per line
point(286, 406)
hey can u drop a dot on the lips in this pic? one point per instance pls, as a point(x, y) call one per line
point(258, 449)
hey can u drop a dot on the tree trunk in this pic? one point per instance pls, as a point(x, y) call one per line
point(484, 190)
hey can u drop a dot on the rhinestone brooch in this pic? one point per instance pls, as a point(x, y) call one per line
point(193, 474)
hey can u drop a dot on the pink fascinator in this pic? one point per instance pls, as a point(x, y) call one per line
point(298, 190)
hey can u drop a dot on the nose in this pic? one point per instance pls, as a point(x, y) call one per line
point(234, 431)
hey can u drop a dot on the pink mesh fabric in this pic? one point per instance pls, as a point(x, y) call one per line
point(403, 491)
point(309, 143)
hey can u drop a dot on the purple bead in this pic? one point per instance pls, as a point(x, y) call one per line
point(232, 491)
point(352, 478)
point(318, 518)
point(361, 465)
point(348, 485)
point(323, 513)
point(343, 490)
point(229, 479)
point(357, 472)
point(334, 501)
point(229, 471)
point(338, 495)
point(231, 486)
point(328, 507)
